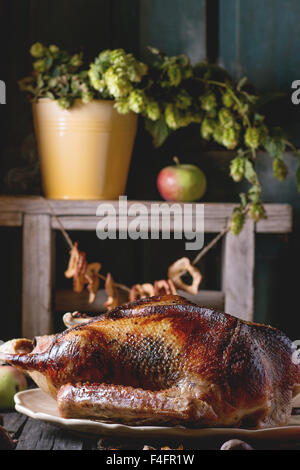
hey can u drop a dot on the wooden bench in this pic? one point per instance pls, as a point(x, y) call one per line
point(38, 224)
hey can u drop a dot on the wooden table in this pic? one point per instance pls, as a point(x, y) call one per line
point(38, 224)
point(36, 435)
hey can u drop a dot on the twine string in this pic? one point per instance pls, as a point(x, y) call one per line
point(70, 243)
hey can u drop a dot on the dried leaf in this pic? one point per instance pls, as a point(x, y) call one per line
point(91, 276)
point(178, 269)
point(164, 287)
point(75, 318)
point(140, 291)
point(112, 293)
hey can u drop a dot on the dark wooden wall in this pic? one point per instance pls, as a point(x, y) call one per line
point(260, 39)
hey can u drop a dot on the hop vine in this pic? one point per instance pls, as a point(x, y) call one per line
point(170, 93)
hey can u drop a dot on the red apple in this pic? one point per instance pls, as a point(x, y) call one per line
point(181, 182)
point(11, 382)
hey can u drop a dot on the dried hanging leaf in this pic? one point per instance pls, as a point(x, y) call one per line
point(91, 276)
point(140, 291)
point(178, 269)
point(76, 268)
point(79, 279)
point(75, 318)
point(112, 293)
point(164, 287)
point(74, 256)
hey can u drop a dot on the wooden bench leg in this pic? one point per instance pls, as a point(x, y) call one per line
point(238, 272)
point(37, 275)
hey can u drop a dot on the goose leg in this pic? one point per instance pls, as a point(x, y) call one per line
point(131, 405)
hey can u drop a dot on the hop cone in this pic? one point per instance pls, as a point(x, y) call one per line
point(230, 138)
point(37, 50)
point(153, 111)
point(280, 169)
point(227, 100)
point(237, 169)
point(257, 211)
point(208, 101)
point(237, 221)
point(171, 116)
point(207, 128)
point(252, 138)
point(136, 101)
point(226, 118)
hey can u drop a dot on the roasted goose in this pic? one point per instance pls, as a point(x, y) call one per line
point(163, 360)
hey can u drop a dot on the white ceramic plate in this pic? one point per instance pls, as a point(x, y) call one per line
point(37, 405)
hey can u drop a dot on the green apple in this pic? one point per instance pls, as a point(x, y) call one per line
point(11, 382)
point(181, 182)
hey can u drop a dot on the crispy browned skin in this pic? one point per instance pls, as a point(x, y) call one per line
point(164, 360)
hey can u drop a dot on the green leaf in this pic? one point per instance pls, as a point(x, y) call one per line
point(244, 201)
point(39, 81)
point(254, 193)
point(49, 62)
point(55, 72)
point(250, 173)
point(241, 83)
point(49, 95)
point(258, 118)
point(275, 146)
point(158, 130)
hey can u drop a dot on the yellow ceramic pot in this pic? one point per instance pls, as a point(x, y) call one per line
point(85, 151)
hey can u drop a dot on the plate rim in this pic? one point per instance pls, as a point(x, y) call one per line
point(172, 430)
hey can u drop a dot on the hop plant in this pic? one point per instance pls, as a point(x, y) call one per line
point(54, 50)
point(76, 60)
point(117, 86)
point(65, 102)
point(257, 211)
point(230, 137)
point(226, 118)
point(40, 65)
point(174, 76)
point(136, 101)
point(153, 110)
point(116, 73)
point(207, 128)
point(237, 169)
point(279, 169)
point(218, 134)
point(263, 133)
point(122, 106)
point(171, 116)
point(96, 82)
point(37, 50)
point(57, 75)
point(252, 138)
point(183, 100)
point(170, 94)
point(185, 118)
point(227, 99)
point(237, 221)
point(208, 101)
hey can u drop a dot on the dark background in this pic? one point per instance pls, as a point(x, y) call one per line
point(256, 38)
